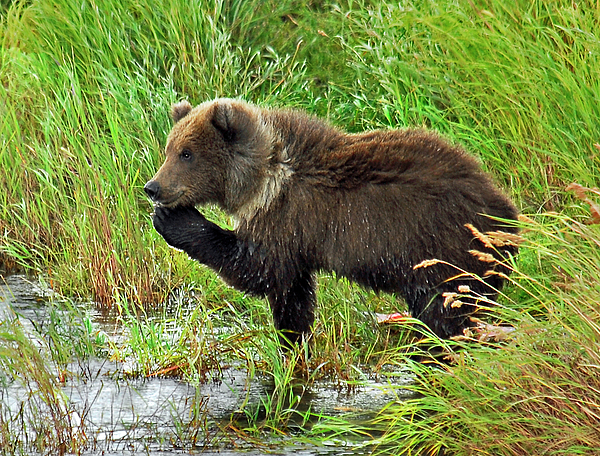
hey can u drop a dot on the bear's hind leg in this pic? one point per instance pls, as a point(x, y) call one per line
point(293, 309)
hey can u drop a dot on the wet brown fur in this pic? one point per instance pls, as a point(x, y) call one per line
point(310, 197)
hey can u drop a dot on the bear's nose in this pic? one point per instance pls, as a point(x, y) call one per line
point(152, 189)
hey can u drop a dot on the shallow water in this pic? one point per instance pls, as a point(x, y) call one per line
point(154, 415)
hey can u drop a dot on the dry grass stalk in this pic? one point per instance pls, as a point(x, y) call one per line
point(580, 192)
point(485, 257)
point(493, 239)
point(426, 263)
point(449, 298)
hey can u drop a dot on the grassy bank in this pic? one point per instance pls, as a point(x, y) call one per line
point(538, 393)
point(84, 99)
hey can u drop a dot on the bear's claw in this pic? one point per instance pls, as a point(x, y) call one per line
point(178, 225)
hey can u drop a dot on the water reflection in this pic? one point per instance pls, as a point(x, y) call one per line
point(150, 416)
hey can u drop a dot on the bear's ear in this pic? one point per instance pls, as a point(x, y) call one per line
point(223, 118)
point(230, 119)
point(180, 110)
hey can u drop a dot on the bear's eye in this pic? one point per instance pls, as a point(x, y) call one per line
point(185, 155)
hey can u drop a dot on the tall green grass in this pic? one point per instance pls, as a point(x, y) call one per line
point(516, 82)
point(84, 98)
point(86, 94)
point(86, 91)
point(537, 393)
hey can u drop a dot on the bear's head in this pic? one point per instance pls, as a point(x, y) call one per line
point(215, 153)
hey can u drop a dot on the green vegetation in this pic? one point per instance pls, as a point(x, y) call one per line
point(44, 420)
point(84, 98)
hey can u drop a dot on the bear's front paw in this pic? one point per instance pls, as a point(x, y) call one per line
point(178, 226)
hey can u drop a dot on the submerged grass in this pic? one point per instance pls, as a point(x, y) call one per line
point(84, 99)
point(36, 414)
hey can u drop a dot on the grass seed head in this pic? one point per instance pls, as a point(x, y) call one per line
point(426, 264)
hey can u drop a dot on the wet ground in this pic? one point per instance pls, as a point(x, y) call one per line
point(158, 416)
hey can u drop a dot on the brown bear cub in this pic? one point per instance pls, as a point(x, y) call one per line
point(308, 197)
